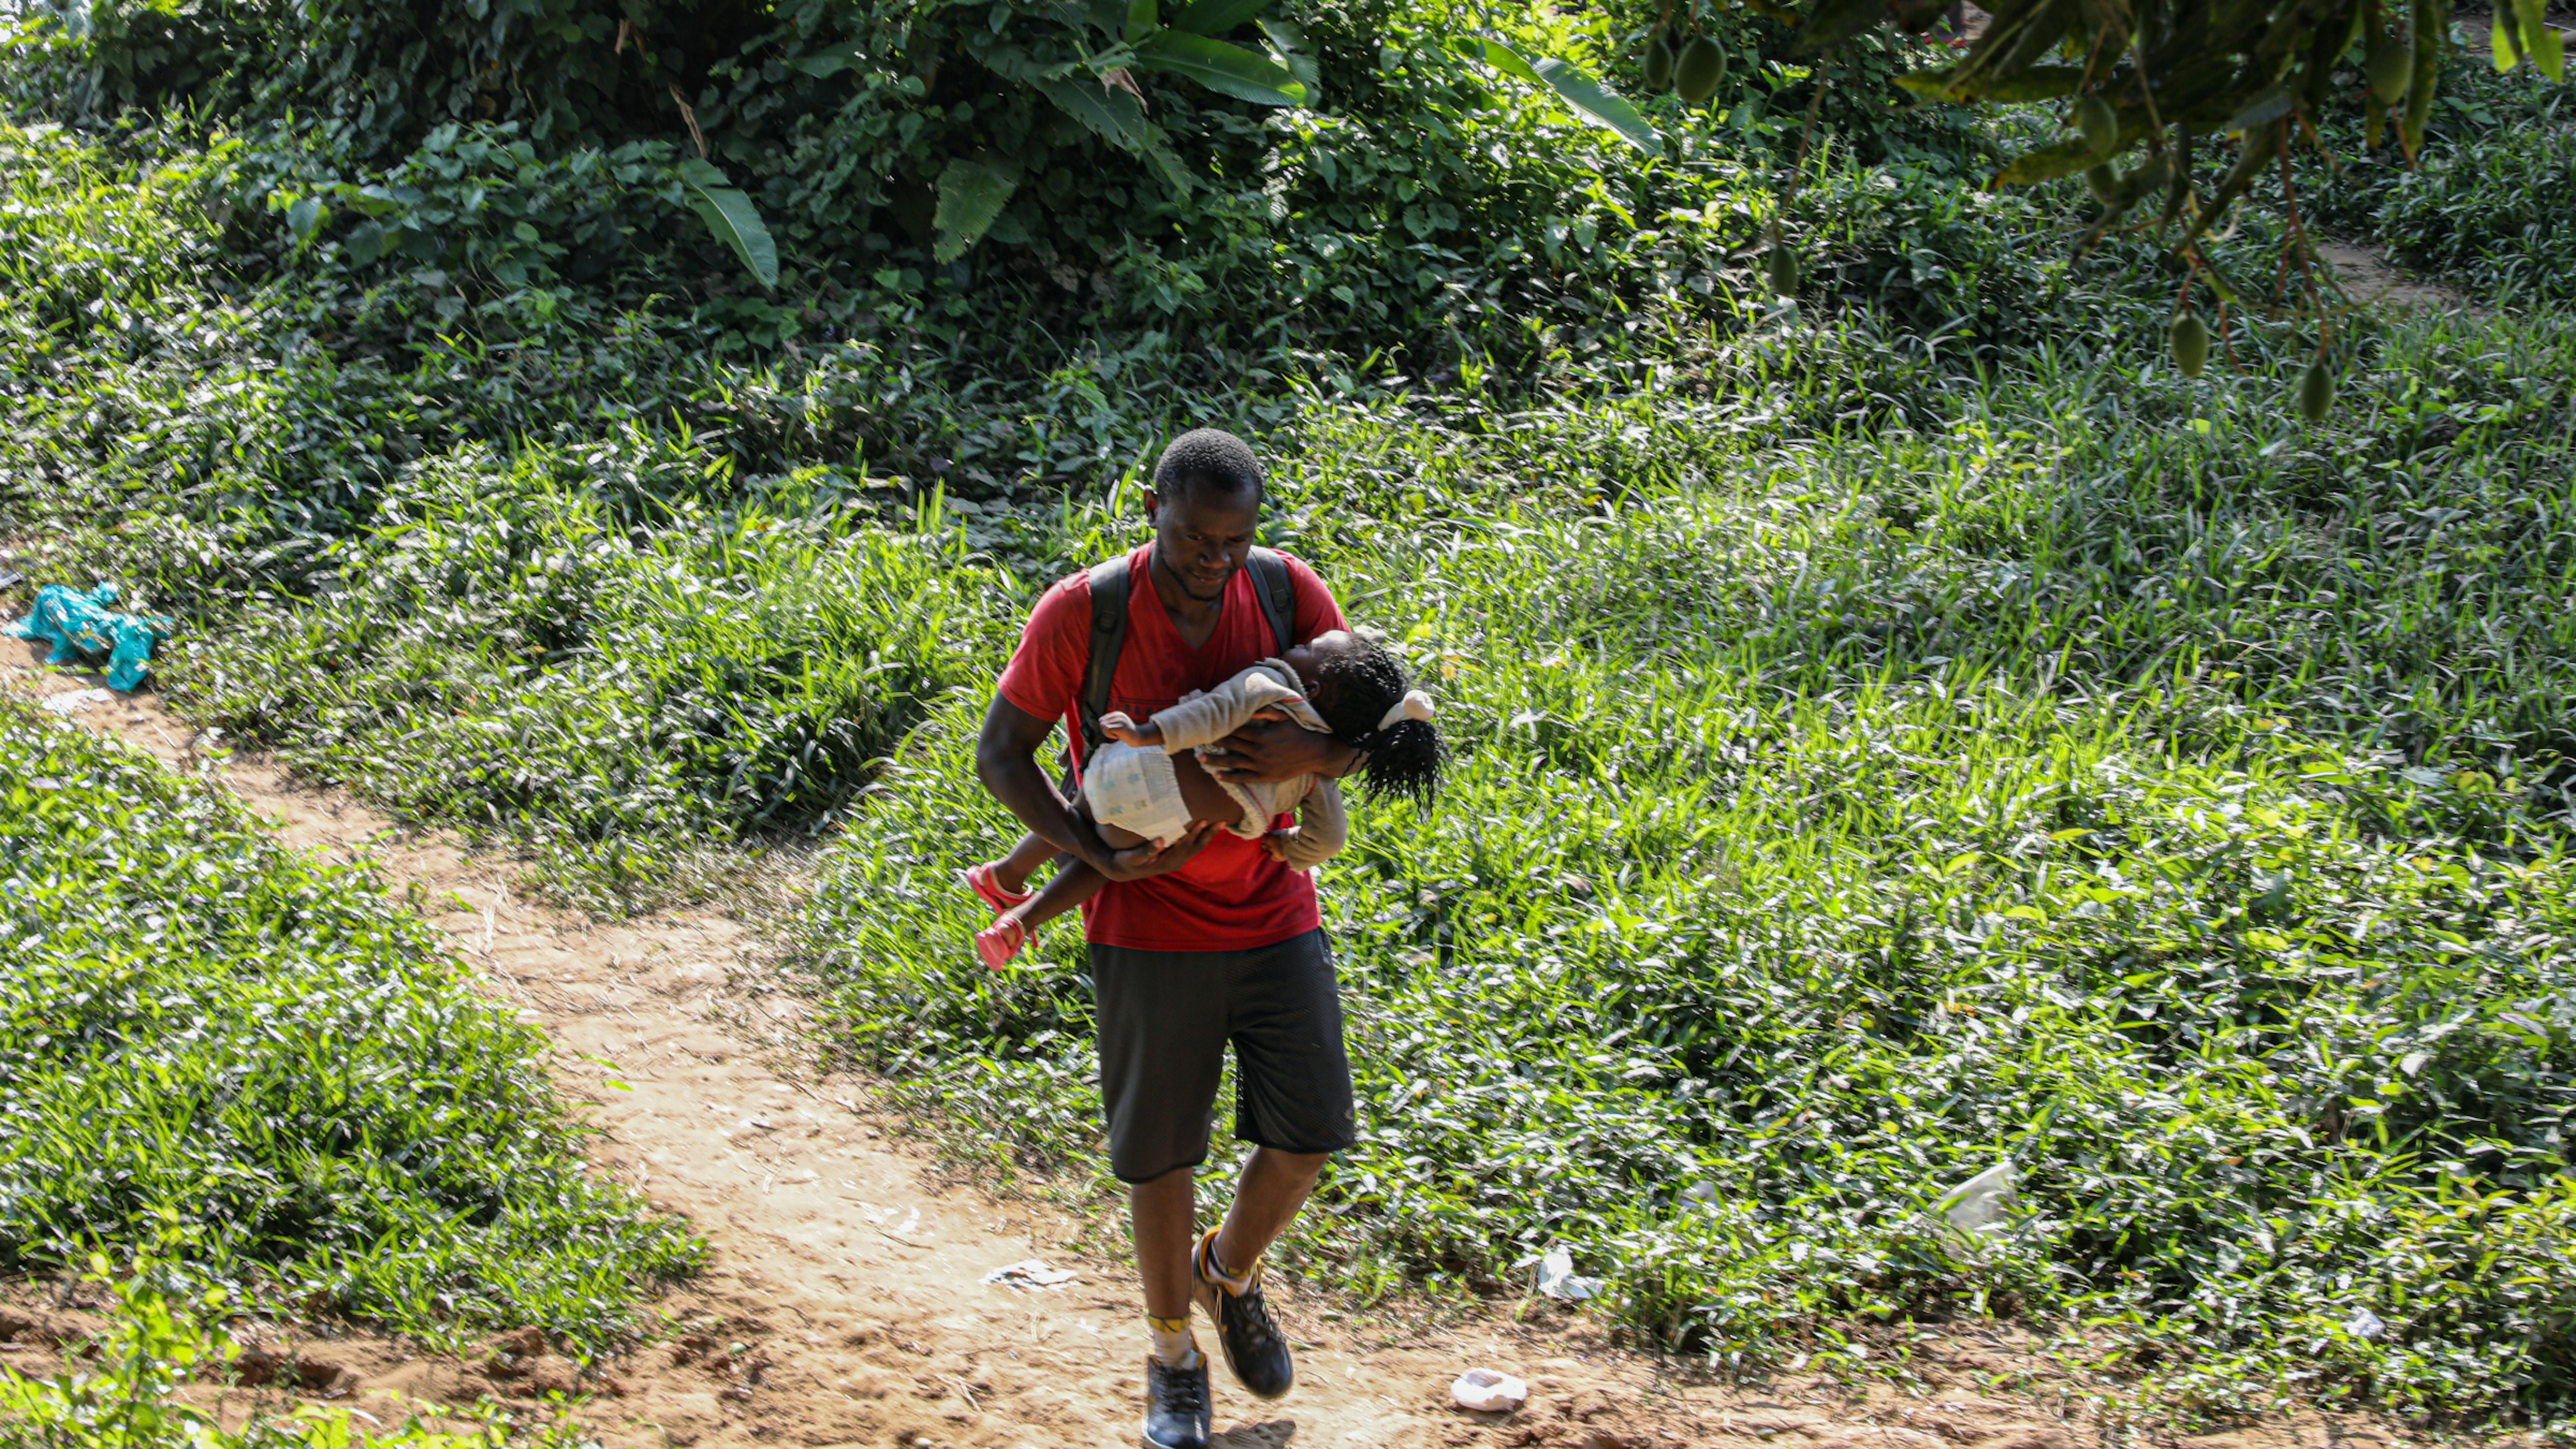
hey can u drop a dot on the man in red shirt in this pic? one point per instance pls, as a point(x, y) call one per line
point(1205, 942)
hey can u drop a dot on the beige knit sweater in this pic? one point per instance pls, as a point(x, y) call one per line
point(1204, 717)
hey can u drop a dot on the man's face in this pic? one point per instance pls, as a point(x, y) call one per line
point(1201, 535)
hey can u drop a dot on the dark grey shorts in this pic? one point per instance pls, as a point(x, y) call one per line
point(1165, 1020)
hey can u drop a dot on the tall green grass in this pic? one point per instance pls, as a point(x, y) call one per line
point(498, 651)
point(2118, 778)
point(1898, 733)
point(242, 1064)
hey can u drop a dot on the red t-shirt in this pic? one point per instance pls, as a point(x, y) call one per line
point(1231, 896)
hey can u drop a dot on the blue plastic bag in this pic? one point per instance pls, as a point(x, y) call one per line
point(82, 627)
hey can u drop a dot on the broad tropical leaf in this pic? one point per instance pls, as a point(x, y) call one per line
point(1500, 56)
point(972, 193)
point(2061, 158)
point(1115, 117)
point(1582, 94)
point(1599, 104)
point(823, 65)
point(1289, 44)
point(1216, 17)
point(731, 216)
point(2540, 41)
point(2036, 84)
point(1223, 68)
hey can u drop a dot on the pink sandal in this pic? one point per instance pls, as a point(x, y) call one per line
point(1000, 941)
point(979, 879)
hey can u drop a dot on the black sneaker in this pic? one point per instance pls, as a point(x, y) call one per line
point(1254, 1349)
point(1176, 1405)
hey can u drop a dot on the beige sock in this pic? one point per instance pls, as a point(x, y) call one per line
point(1174, 1344)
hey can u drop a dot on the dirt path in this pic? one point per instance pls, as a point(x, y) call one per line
point(2369, 277)
point(846, 1304)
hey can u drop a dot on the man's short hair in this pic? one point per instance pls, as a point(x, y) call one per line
point(1207, 459)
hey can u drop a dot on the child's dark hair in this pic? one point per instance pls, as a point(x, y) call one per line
point(1353, 689)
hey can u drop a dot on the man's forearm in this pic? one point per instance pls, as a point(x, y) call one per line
point(1025, 791)
point(1340, 760)
point(1281, 751)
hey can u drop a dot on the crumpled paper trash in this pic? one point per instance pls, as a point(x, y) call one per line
point(1488, 1391)
point(83, 627)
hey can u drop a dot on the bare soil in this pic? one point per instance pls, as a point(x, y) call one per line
point(845, 1303)
point(2369, 278)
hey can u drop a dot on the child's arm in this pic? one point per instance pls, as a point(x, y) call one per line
point(1323, 827)
point(1222, 710)
point(1119, 727)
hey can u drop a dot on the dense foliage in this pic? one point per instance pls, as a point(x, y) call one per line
point(2486, 215)
point(1902, 730)
point(241, 1063)
point(2173, 810)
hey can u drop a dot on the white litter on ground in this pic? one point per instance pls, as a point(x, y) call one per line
point(1968, 1215)
point(1031, 1273)
point(1488, 1391)
point(1982, 1200)
point(73, 701)
point(1556, 1278)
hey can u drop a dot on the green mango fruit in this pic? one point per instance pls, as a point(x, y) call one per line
point(2105, 183)
point(2190, 337)
point(1659, 61)
point(1780, 268)
point(2099, 123)
point(2392, 71)
point(2316, 393)
point(1701, 67)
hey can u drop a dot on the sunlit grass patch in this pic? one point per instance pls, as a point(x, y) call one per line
point(2118, 778)
point(243, 1063)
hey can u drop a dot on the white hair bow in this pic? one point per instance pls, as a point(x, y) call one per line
point(1414, 705)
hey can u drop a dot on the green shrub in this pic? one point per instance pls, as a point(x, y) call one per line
point(241, 1062)
point(531, 146)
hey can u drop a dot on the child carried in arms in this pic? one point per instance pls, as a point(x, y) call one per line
point(1149, 784)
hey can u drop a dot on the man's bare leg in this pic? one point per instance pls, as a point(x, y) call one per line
point(1161, 1215)
point(1274, 1186)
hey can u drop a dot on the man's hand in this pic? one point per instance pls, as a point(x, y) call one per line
point(1143, 862)
point(1279, 751)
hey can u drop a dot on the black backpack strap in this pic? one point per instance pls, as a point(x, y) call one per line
point(1278, 596)
point(1108, 637)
